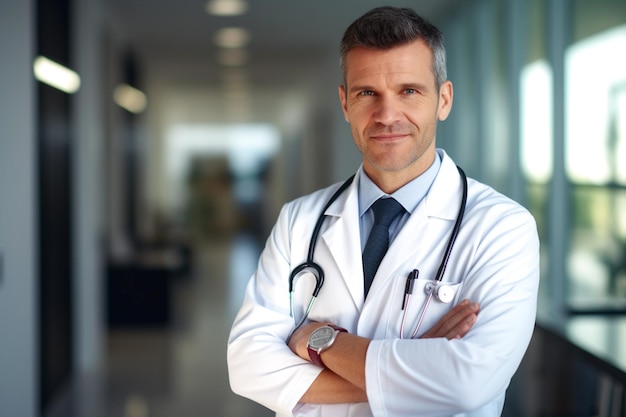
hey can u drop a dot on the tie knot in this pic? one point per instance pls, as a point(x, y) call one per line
point(385, 210)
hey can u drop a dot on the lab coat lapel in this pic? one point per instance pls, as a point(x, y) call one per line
point(342, 238)
point(431, 220)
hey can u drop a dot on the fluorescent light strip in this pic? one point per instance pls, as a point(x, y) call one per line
point(130, 98)
point(56, 75)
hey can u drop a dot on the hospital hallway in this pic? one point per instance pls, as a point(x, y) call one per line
point(178, 370)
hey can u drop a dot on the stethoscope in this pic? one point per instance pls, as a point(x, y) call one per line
point(444, 293)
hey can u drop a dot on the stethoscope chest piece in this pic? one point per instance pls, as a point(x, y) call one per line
point(443, 292)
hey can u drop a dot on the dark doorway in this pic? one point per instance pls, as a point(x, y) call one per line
point(55, 205)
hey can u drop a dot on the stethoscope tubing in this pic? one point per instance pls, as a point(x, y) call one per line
point(455, 230)
point(318, 272)
point(442, 266)
point(310, 263)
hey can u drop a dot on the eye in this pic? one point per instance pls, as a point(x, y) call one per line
point(410, 91)
point(366, 93)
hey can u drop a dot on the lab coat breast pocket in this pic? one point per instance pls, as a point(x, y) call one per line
point(419, 310)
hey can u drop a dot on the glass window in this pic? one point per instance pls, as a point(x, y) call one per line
point(595, 89)
point(536, 85)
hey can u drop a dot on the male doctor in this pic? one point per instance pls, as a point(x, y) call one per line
point(362, 351)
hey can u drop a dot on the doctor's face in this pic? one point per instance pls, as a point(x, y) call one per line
point(392, 104)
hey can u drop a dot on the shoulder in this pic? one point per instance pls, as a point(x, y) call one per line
point(309, 206)
point(488, 210)
point(313, 202)
point(483, 197)
point(483, 202)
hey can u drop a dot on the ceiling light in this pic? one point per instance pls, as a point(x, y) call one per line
point(56, 75)
point(130, 98)
point(226, 7)
point(232, 37)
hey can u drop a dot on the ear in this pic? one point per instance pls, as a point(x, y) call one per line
point(446, 94)
point(344, 102)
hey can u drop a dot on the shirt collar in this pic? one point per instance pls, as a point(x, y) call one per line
point(409, 195)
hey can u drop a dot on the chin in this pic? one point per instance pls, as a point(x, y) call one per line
point(391, 166)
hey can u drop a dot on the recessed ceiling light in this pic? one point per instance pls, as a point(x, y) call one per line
point(232, 37)
point(226, 7)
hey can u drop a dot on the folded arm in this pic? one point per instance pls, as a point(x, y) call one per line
point(344, 379)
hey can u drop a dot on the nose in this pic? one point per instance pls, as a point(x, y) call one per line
point(387, 110)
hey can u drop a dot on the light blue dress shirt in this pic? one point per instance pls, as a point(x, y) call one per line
point(409, 196)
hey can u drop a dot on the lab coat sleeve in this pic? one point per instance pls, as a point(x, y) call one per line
point(433, 377)
point(261, 366)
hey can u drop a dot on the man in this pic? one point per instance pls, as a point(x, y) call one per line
point(385, 364)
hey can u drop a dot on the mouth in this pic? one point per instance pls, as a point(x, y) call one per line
point(388, 137)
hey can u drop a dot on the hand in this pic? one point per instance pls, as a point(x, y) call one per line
point(343, 379)
point(300, 339)
point(456, 323)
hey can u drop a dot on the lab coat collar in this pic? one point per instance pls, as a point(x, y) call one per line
point(342, 236)
point(432, 219)
point(445, 195)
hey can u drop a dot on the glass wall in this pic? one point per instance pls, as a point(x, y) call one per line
point(540, 114)
point(595, 139)
point(536, 81)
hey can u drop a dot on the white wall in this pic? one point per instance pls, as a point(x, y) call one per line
point(18, 270)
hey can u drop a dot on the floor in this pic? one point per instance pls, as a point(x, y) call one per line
point(179, 370)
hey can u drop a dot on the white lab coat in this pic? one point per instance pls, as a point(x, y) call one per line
point(495, 262)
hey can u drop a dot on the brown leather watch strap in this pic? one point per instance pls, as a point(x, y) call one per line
point(314, 355)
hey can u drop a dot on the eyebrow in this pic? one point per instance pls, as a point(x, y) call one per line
point(359, 88)
point(416, 86)
point(402, 86)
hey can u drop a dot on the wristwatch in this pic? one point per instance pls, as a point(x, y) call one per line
point(321, 339)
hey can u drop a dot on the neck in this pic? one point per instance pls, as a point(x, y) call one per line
point(389, 181)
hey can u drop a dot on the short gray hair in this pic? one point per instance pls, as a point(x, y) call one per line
point(387, 27)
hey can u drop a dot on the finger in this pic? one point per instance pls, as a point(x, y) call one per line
point(450, 319)
point(461, 329)
point(460, 321)
point(457, 322)
point(299, 339)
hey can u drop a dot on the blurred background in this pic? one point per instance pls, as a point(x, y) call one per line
point(146, 148)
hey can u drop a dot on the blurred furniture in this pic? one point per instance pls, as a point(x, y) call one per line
point(139, 288)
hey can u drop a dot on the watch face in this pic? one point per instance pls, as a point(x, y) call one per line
point(321, 337)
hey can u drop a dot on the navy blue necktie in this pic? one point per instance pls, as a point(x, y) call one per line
point(385, 211)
